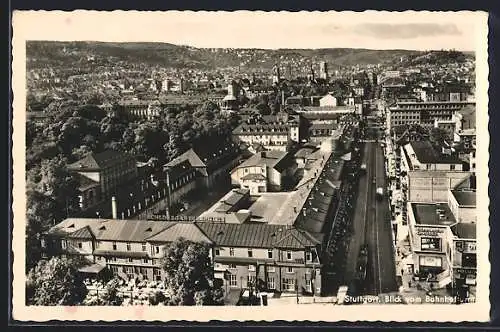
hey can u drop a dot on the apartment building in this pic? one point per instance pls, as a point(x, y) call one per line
point(443, 241)
point(101, 174)
point(423, 113)
point(273, 132)
point(429, 174)
point(278, 257)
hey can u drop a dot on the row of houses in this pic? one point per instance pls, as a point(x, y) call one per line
point(283, 258)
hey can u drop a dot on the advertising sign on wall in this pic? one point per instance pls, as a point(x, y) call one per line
point(430, 261)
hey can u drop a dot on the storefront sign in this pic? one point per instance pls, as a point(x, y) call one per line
point(430, 261)
point(429, 231)
point(471, 246)
point(465, 271)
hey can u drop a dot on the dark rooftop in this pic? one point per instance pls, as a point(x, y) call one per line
point(98, 161)
point(465, 198)
point(464, 230)
point(257, 235)
point(433, 214)
point(427, 154)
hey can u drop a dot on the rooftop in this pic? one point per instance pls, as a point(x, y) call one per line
point(464, 230)
point(427, 154)
point(438, 214)
point(99, 161)
point(257, 235)
point(465, 198)
point(268, 206)
point(268, 158)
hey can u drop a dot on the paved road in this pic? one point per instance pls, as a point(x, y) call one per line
point(382, 232)
point(381, 273)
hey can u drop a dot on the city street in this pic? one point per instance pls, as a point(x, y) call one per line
point(381, 274)
point(371, 225)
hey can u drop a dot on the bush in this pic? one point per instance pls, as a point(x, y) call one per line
point(156, 298)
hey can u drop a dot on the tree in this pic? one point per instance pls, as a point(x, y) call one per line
point(189, 275)
point(110, 297)
point(55, 282)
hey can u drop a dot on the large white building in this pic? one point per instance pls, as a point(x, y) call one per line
point(268, 132)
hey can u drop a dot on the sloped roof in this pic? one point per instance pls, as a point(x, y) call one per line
point(82, 233)
point(188, 231)
point(98, 161)
point(254, 176)
point(112, 229)
point(85, 182)
point(268, 158)
point(256, 235)
point(190, 156)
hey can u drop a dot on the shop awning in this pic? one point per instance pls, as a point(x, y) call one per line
point(92, 269)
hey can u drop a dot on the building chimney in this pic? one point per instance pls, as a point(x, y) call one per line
point(114, 207)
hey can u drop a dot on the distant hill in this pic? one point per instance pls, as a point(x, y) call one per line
point(50, 53)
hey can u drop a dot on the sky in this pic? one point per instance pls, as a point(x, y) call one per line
point(372, 30)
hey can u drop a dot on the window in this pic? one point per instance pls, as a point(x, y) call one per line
point(128, 246)
point(430, 243)
point(288, 284)
point(271, 269)
point(130, 260)
point(232, 266)
point(452, 167)
point(308, 285)
point(63, 244)
point(270, 283)
point(143, 247)
point(289, 255)
point(308, 256)
point(232, 280)
point(251, 268)
point(289, 270)
point(217, 252)
point(251, 281)
point(157, 249)
point(270, 253)
point(231, 251)
point(145, 261)
point(250, 253)
point(157, 274)
point(114, 269)
point(114, 245)
point(97, 244)
point(80, 245)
